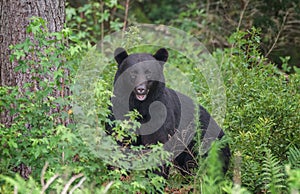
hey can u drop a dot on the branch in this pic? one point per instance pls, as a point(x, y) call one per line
point(108, 186)
point(43, 174)
point(52, 179)
point(45, 186)
point(278, 34)
point(242, 13)
point(64, 191)
point(126, 15)
point(102, 26)
point(237, 177)
point(77, 185)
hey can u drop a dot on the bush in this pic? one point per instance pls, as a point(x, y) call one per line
point(262, 106)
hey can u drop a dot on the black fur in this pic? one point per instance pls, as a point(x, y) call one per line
point(142, 74)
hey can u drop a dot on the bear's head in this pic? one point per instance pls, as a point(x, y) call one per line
point(141, 74)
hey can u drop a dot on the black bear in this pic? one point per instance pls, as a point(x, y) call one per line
point(166, 115)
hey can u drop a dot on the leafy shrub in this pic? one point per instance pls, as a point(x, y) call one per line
point(91, 21)
point(41, 105)
point(262, 106)
point(39, 135)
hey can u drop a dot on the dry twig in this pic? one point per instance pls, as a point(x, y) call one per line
point(77, 185)
point(64, 191)
point(51, 180)
point(126, 15)
point(278, 34)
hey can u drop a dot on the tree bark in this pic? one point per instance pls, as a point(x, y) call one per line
point(14, 18)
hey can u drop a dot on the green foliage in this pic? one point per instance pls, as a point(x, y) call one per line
point(41, 108)
point(21, 185)
point(273, 176)
point(210, 178)
point(212, 21)
point(293, 179)
point(285, 65)
point(294, 157)
point(38, 134)
point(41, 105)
point(92, 20)
point(262, 106)
point(161, 11)
point(236, 189)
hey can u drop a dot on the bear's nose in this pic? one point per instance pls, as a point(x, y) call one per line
point(141, 89)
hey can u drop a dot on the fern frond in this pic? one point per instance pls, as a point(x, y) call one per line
point(293, 179)
point(294, 157)
point(209, 176)
point(273, 176)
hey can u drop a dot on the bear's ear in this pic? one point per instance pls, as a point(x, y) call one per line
point(161, 55)
point(120, 54)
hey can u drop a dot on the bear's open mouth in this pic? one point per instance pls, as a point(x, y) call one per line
point(141, 97)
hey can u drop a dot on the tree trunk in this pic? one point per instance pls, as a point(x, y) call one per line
point(14, 18)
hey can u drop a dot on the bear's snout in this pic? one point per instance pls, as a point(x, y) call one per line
point(141, 91)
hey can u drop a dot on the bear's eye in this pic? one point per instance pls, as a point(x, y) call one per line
point(148, 74)
point(133, 75)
